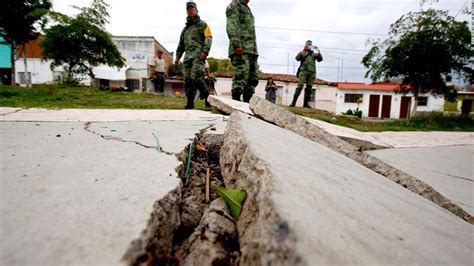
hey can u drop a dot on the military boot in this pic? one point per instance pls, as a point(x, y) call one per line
point(190, 103)
point(306, 102)
point(247, 97)
point(236, 96)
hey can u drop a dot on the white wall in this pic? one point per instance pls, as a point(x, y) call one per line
point(41, 72)
point(435, 104)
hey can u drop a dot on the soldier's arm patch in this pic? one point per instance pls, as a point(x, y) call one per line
point(207, 32)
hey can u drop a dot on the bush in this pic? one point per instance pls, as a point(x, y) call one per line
point(357, 112)
point(175, 70)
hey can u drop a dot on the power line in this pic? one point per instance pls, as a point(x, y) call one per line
point(289, 29)
point(461, 8)
point(323, 31)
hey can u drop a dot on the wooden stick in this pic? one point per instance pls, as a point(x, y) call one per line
point(208, 185)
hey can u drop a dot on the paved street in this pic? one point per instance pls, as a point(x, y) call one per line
point(79, 193)
point(77, 186)
point(449, 170)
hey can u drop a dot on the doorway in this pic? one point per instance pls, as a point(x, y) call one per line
point(386, 106)
point(405, 107)
point(374, 104)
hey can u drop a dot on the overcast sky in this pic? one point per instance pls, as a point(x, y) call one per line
point(340, 28)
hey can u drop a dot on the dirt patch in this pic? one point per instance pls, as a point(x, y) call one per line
point(185, 228)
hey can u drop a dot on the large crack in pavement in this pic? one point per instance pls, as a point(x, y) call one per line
point(114, 138)
point(184, 228)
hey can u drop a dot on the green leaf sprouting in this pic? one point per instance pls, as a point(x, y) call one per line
point(234, 199)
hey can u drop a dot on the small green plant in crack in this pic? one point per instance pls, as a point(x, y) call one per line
point(234, 198)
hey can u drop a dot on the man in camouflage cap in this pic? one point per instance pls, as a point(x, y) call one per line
point(307, 72)
point(195, 42)
point(242, 49)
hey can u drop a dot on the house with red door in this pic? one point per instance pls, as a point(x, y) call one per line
point(380, 100)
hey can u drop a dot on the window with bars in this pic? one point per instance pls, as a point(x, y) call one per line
point(422, 101)
point(133, 84)
point(352, 98)
point(25, 78)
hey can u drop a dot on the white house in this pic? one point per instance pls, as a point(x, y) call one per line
point(381, 101)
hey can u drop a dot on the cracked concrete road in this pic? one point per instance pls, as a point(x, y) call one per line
point(77, 193)
point(450, 170)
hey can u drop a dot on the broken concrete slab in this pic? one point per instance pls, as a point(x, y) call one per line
point(227, 105)
point(369, 140)
point(448, 169)
point(307, 204)
point(285, 119)
point(399, 139)
point(69, 195)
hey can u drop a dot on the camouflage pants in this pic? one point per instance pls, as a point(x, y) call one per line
point(245, 77)
point(194, 78)
point(308, 79)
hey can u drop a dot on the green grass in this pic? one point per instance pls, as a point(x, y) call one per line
point(54, 97)
point(424, 122)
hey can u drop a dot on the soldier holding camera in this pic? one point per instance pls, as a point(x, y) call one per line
point(306, 72)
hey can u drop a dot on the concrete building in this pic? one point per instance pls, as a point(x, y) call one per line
point(381, 101)
point(5, 63)
point(463, 103)
point(137, 51)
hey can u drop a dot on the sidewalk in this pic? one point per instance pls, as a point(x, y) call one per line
point(77, 186)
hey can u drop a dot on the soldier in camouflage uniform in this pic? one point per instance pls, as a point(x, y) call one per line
point(307, 72)
point(195, 42)
point(242, 49)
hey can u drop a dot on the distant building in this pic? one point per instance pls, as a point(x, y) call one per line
point(380, 100)
point(5, 63)
point(463, 103)
point(137, 51)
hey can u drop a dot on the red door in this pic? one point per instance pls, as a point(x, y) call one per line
point(386, 106)
point(405, 106)
point(374, 103)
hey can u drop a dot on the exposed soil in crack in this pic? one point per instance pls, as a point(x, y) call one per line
point(114, 138)
point(184, 228)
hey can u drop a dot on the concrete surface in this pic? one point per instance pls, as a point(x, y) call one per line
point(328, 208)
point(450, 170)
point(407, 139)
point(102, 115)
point(382, 139)
point(227, 105)
point(74, 193)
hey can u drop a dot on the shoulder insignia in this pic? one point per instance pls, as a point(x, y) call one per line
point(207, 32)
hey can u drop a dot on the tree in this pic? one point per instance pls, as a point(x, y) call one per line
point(423, 50)
point(81, 42)
point(18, 23)
point(219, 65)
